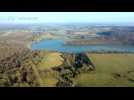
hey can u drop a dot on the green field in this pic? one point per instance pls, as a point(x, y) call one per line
point(111, 70)
point(50, 60)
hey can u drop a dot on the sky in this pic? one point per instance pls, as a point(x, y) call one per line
point(66, 17)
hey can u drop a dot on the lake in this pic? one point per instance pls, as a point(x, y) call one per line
point(58, 45)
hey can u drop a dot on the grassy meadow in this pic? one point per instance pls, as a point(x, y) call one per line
point(111, 70)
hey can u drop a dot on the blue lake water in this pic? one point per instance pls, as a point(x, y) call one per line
point(58, 45)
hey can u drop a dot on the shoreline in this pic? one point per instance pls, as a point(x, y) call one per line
point(29, 45)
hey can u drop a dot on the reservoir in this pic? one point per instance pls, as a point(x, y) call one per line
point(59, 45)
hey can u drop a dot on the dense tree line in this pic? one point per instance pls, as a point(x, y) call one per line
point(73, 65)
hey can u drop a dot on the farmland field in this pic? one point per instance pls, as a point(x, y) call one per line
point(111, 70)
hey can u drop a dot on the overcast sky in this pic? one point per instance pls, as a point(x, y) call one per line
point(69, 17)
